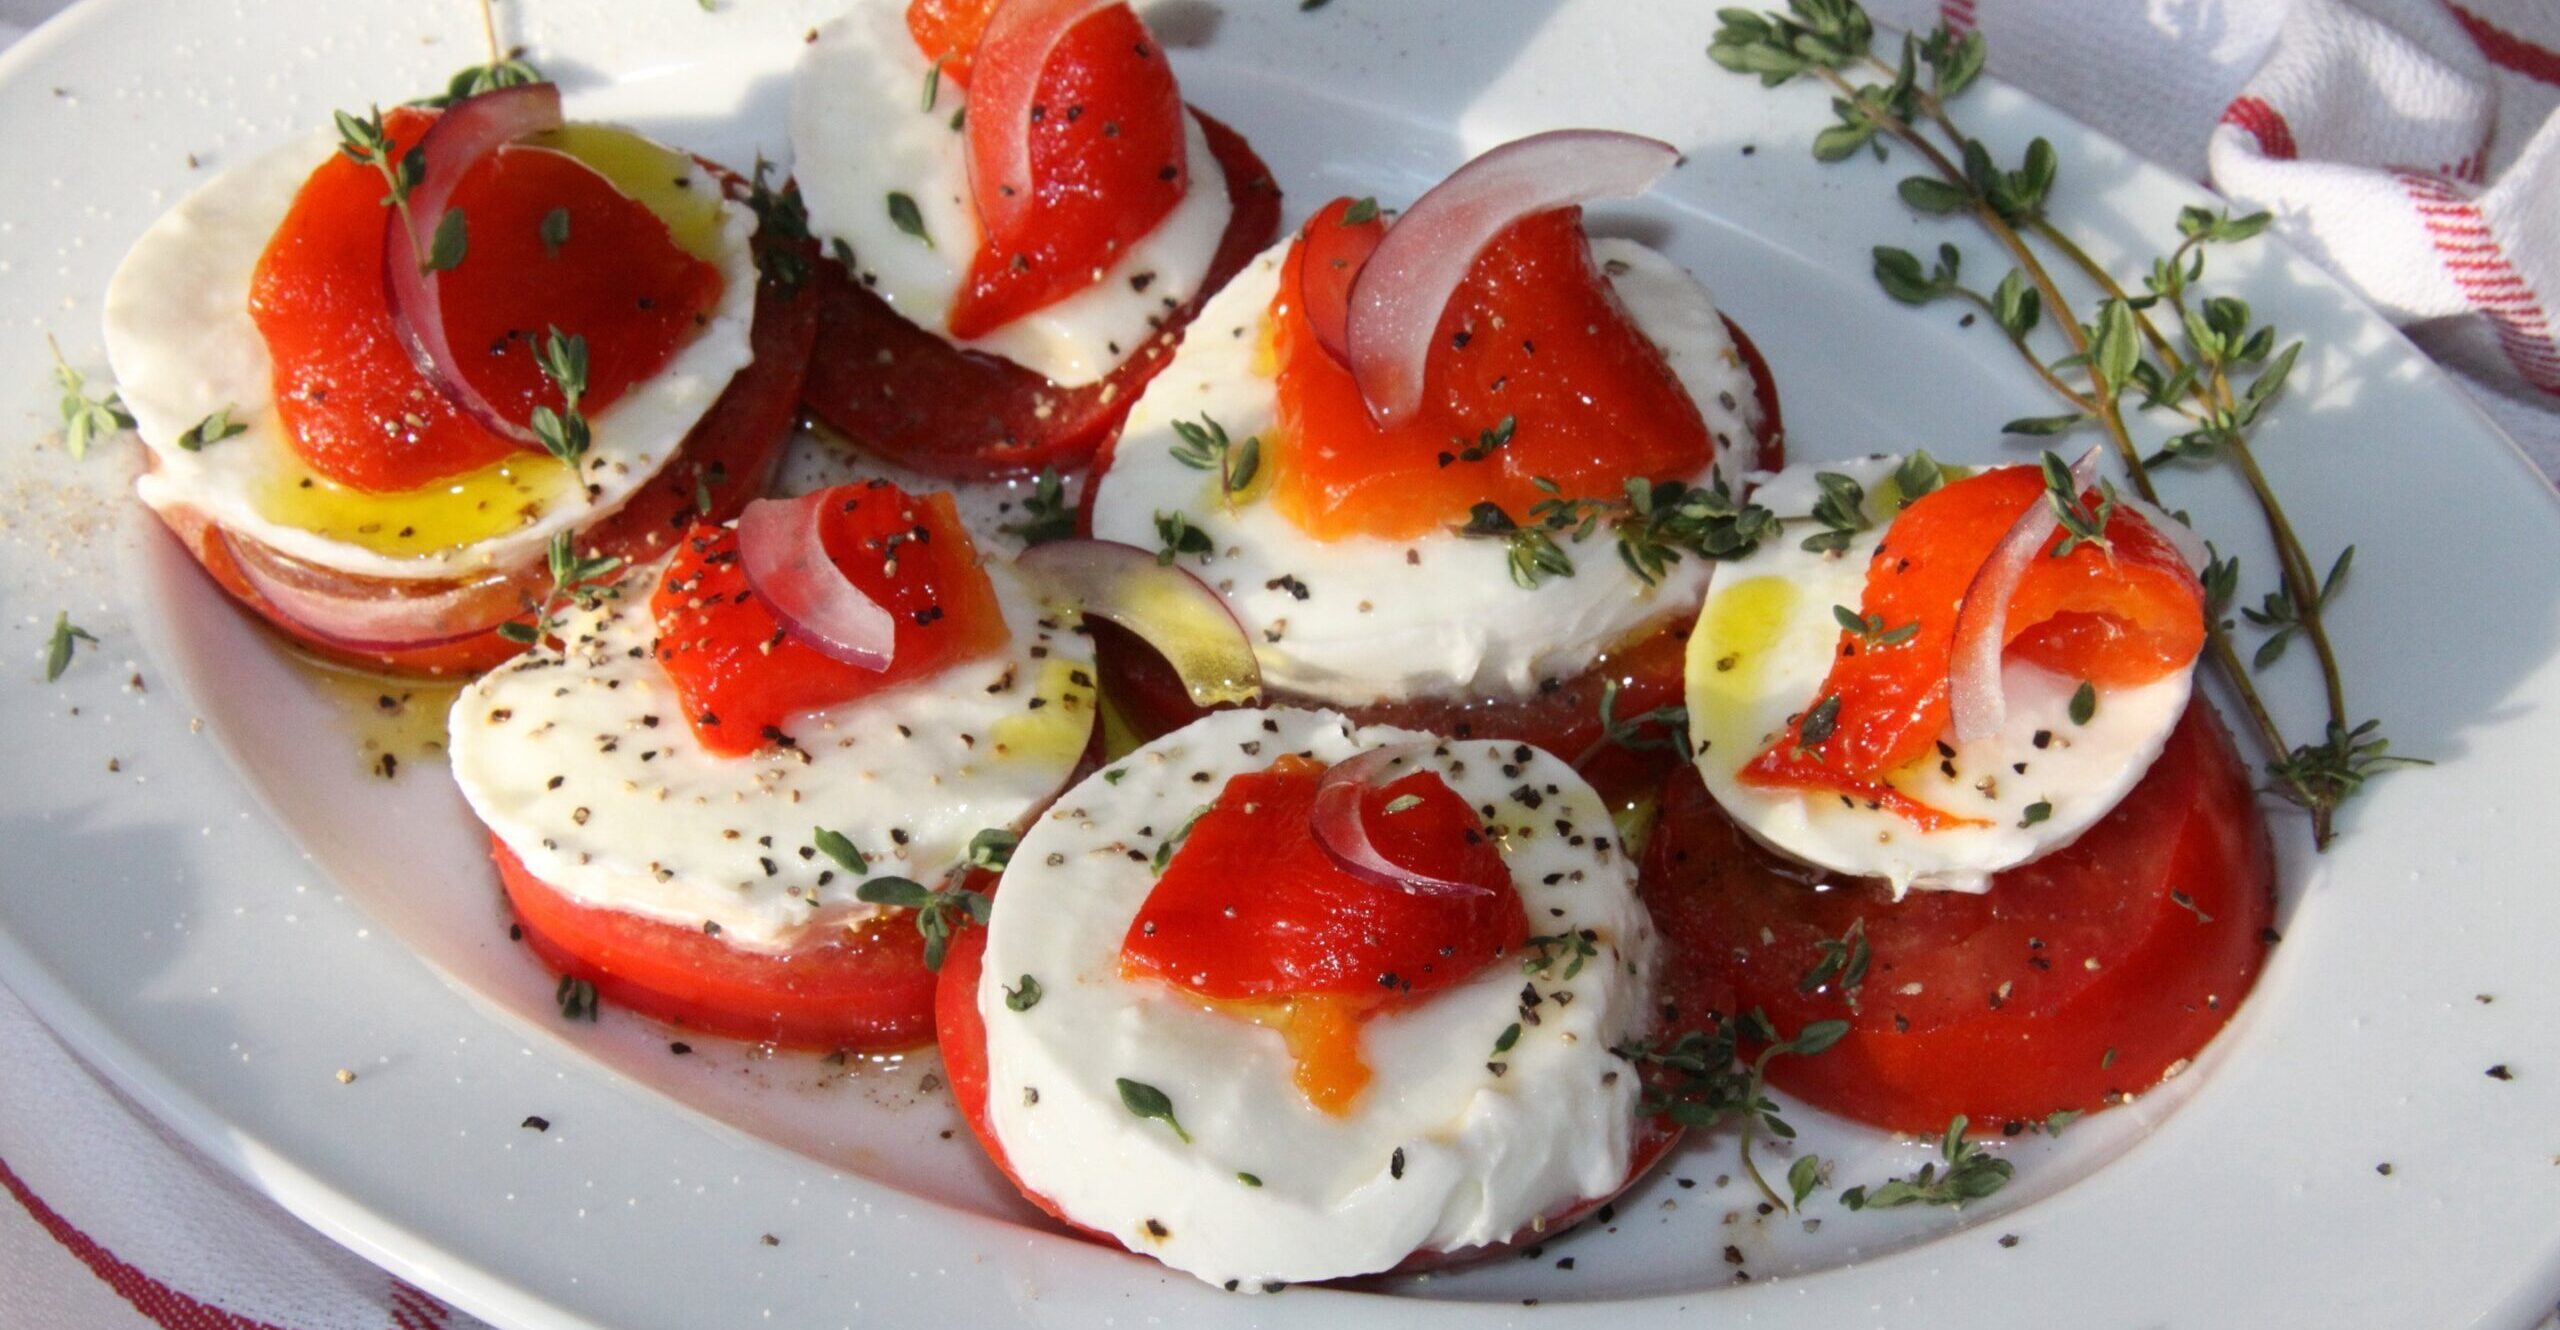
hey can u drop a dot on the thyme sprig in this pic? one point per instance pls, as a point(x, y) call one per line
point(2218, 376)
point(782, 228)
point(1697, 1081)
point(564, 433)
point(84, 418)
point(938, 914)
point(1046, 514)
point(583, 580)
point(1206, 447)
point(366, 142)
point(1970, 1173)
point(1655, 523)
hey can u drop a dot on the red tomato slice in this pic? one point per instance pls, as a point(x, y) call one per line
point(354, 406)
point(2083, 976)
point(1535, 335)
point(867, 992)
point(1335, 250)
point(727, 458)
point(741, 672)
point(961, 1030)
point(903, 393)
point(2125, 616)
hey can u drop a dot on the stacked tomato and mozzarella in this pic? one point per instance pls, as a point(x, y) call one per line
point(1280, 997)
point(1379, 390)
point(1020, 214)
point(688, 797)
point(1945, 723)
point(341, 430)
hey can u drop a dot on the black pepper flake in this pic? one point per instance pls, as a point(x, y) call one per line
point(537, 1122)
point(679, 1048)
point(1395, 1164)
point(2011, 1239)
point(1157, 1230)
point(2500, 1073)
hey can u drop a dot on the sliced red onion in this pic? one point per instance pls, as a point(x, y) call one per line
point(463, 134)
point(1341, 823)
point(1177, 613)
point(2181, 537)
point(367, 614)
point(1004, 81)
point(782, 550)
point(1982, 621)
point(1400, 294)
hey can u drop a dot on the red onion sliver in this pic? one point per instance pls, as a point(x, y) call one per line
point(2181, 537)
point(1177, 613)
point(1004, 81)
point(1982, 621)
point(1342, 829)
point(1397, 300)
point(782, 550)
point(368, 615)
point(467, 131)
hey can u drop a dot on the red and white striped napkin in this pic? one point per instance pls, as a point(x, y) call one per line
point(2407, 144)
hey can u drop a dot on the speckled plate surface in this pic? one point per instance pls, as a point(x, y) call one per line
point(206, 887)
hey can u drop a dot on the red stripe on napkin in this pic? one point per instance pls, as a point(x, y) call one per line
point(2263, 123)
point(2507, 50)
point(2491, 283)
point(162, 1305)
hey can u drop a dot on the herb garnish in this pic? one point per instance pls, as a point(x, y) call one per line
point(577, 999)
point(564, 432)
point(1844, 958)
point(1363, 210)
point(1165, 848)
point(1488, 442)
point(1870, 630)
point(1819, 723)
point(1149, 1102)
point(367, 143)
point(1696, 1081)
point(1629, 732)
point(57, 647)
point(2082, 524)
point(1205, 447)
point(1023, 996)
point(212, 429)
point(2218, 380)
point(838, 846)
point(554, 231)
point(2036, 812)
point(2084, 703)
point(84, 418)
point(1842, 510)
point(1656, 523)
point(933, 82)
point(992, 849)
point(1539, 954)
point(939, 914)
point(1046, 514)
point(583, 580)
point(907, 217)
point(1179, 537)
point(782, 227)
point(1971, 1174)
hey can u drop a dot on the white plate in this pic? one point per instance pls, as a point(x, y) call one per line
point(236, 914)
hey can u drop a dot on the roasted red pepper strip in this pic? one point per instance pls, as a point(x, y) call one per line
point(2123, 615)
point(741, 674)
point(1252, 911)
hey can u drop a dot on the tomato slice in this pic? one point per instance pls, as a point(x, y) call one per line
point(726, 460)
point(1535, 336)
point(905, 394)
point(2079, 978)
point(741, 672)
point(351, 402)
point(1334, 249)
point(2125, 615)
point(1104, 141)
point(866, 992)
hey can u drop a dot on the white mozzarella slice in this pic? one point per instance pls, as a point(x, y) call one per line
point(1761, 650)
point(1361, 619)
point(862, 129)
point(183, 344)
point(1451, 1146)
point(586, 767)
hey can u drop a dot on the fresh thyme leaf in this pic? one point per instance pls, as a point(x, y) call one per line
point(1802, 1177)
point(1023, 996)
point(904, 214)
point(212, 429)
point(1971, 1173)
point(933, 83)
point(1869, 629)
point(782, 229)
point(1510, 1035)
point(840, 847)
point(1179, 537)
point(2044, 426)
point(1842, 510)
point(452, 241)
point(1695, 1080)
point(555, 231)
point(2084, 703)
point(58, 646)
point(939, 914)
point(1629, 732)
point(1046, 514)
point(1205, 447)
point(1488, 442)
point(2036, 812)
point(473, 80)
point(84, 418)
point(1146, 1101)
point(585, 581)
point(1819, 723)
point(1249, 1179)
point(1539, 955)
point(576, 998)
point(1844, 958)
point(992, 849)
point(2058, 1119)
point(1166, 847)
point(564, 432)
point(897, 892)
point(1363, 210)
point(2082, 524)
point(1918, 477)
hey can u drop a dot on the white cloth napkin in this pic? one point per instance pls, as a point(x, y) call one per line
point(2407, 144)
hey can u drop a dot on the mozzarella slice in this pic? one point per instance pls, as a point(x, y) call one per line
point(862, 128)
point(183, 345)
point(1360, 620)
point(1761, 650)
point(586, 768)
point(1452, 1145)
